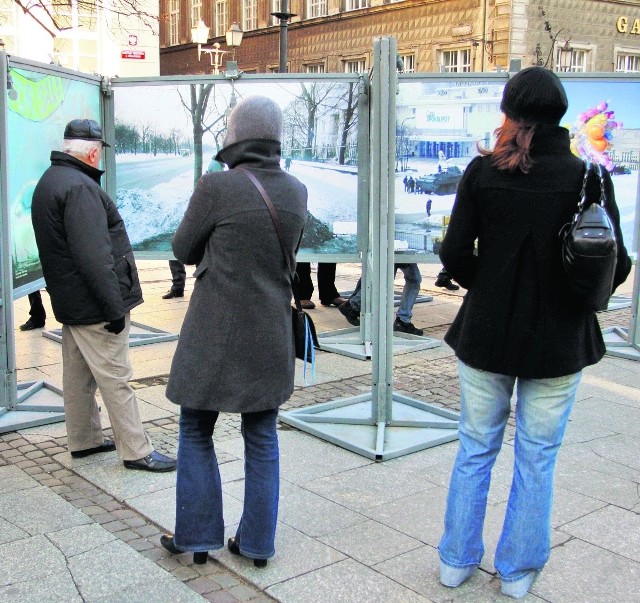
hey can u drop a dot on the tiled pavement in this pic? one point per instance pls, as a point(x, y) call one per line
point(350, 529)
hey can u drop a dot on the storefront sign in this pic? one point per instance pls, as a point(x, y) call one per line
point(132, 54)
point(624, 25)
point(440, 118)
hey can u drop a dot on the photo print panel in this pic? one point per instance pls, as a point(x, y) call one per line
point(37, 114)
point(168, 135)
point(439, 124)
point(604, 123)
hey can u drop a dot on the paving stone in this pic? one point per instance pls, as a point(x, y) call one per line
point(184, 573)
point(242, 592)
point(13, 479)
point(97, 581)
point(52, 588)
point(126, 535)
point(203, 585)
point(80, 539)
point(114, 526)
point(29, 559)
point(9, 532)
point(329, 584)
point(611, 528)
point(596, 575)
point(140, 544)
point(38, 510)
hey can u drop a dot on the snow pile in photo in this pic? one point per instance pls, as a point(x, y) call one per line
point(148, 213)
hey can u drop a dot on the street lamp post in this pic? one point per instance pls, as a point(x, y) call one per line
point(200, 35)
point(284, 15)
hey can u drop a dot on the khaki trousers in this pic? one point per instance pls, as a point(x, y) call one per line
point(94, 358)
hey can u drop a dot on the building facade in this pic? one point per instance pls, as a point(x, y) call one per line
point(433, 35)
point(107, 37)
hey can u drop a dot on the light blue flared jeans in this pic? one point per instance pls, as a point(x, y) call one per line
point(542, 411)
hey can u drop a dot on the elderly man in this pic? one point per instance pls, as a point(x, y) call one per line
point(92, 280)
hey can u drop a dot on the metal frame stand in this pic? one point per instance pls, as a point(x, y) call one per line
point(382, 424)
point(621, 342)
point(26, 404)
point(139, 334)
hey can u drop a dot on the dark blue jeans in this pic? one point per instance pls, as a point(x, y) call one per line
point(199, 518)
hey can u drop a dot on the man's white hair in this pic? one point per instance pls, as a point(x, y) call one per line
point(80, 148)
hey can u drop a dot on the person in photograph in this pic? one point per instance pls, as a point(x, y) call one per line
point(92, 280)
point(519, 327)
point(236, 351)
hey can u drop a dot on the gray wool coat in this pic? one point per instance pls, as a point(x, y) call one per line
point(235, 352)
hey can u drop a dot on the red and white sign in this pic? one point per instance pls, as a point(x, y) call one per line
point(133, 54)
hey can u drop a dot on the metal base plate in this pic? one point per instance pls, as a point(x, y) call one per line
point(347, 422)
point(38, 403)
point(138, 335)
point(348, 342)
point(617, 341)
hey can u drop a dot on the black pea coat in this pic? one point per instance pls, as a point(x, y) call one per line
point(519, 317)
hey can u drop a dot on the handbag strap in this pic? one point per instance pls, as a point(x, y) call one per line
point(583, 192)
point(276, 224)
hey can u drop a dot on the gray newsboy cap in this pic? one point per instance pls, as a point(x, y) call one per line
point(254, 117)
point(84, 129)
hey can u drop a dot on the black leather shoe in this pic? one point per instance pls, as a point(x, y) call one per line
point(401, 326)
point(31, 324)
point(171, 294)
point(106, 446)
point(234, 547)
point(336, 302)
point(199, 558)
point(307, 304)
point(153, 462)
point(447, 283)
point(350, 313)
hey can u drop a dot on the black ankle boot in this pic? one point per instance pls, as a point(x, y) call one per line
point(234, 547)
point(199, 558)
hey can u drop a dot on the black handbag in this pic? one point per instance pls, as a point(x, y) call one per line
point(589, 249)
point(305, 337)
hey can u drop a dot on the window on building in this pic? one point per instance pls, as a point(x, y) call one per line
point(249, 14)
point(409, 62)
point(355, 4)
point(316, 8)
point(628, 62)
point(355, 66)
point(174, 22)
point(196, 12)
point(7, 25)
point(455, 61)
point(315, 68)
point(579, 62)
point(221, 17)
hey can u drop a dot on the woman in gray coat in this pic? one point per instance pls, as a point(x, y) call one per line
point(235, 352)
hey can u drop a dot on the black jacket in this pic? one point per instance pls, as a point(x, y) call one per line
point(519, 317)
point(84, 249)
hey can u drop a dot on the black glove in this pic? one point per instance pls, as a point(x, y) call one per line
point(115, 326)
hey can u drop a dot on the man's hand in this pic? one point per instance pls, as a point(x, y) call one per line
point(115, 326)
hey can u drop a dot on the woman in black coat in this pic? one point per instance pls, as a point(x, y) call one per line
point(236, 351)
point(519, 326)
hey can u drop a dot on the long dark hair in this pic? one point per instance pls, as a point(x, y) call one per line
point(513, 146)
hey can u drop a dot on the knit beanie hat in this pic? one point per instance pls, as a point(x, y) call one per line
point(254, 117)
point(534, 95)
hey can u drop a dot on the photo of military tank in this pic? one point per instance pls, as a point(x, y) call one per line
point(440, 183)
